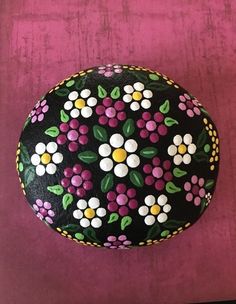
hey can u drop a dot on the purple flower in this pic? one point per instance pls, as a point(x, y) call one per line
point(158, 173)
point(37, 114)
point(74, 133)
point(77, 181)
point(152, 127)
point(43, 211)
point(195, 190)
point(109, 69)
point(190, 105)
point(119, 242)
point(122, 200)
point(111, 113)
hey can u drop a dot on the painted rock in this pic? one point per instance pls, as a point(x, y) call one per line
point(118, 156)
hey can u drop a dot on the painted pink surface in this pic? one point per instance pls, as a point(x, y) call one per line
point(44, 41)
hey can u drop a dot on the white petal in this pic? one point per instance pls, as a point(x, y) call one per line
point(128, 89)
point(84, 222)
point(162, 217)
point(147, 94)
point(188, 139)
point(86, 112)
point(96, 222)
point(138, 86)
point(178, 159)
point(143, 210)
point(74, 113)
point(133, 161)
point(104, 150)
point(68, 105)
point(172, 150)
point(40, 148)
point(192, 149)
point(135, 106)
point(162, 200)
point(106, 164)
point(78, 214)
point(51, 147)
point(127, 98)
point(35, 159)
point(150, 200)
point(117, 140)
point(121, 170)
point(101, 212)
point(40, 170)
point(82, 204)
point(149, 220)
point(93, 202)
point(177, 140)
point(145, 103)
point(85, 93)
point(73, 95)
point(187, 159)
point(57, 158)
point(51, 168)
point(167, 208)
point(131, 145)
point(92, 101)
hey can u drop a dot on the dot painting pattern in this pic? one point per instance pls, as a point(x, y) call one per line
point(118, 156)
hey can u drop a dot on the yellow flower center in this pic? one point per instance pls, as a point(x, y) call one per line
point(137, 95)
point(89, 213)
point(79, 103)
point(155, 209)
point(45, 158)
point(119, 155)
point(182, 149)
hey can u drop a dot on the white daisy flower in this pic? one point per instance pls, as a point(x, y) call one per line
point(80, 104)
point(182, 149)
point(89, 213)
point(136, 95)
point(46, 158)
point(155, 209)
point(119, 154)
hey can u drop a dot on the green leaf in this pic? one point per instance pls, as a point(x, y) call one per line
point(153, 232)
point(64, 116)
point(88, 157)
point(203, 205)
point(53, 131)
point(201, 156)
point(171, 188)
point(115, 94)
point(165, 233)
point(165, 107)
point(209, 184)
point(153, 76)
point(113, 217)
point(207, 148)
point(67, 200)
point(148, 152)
point(173, 224)
point(128, 127)
point(136, 178)
point(204, 111)
point(202, 138)
point(107, 182)
point(140, 76)
point(24, 155)
point(71, 227)
point(126, 221)
point(102, 93)
point(79, 236)
point(91, 234)
point(62, 92)
point(100, 133)
point(170, 121)
point(157, 86)
point(57, 189)
point(70, 83)
point(29, 175)
point(178, 173)
point(80, 83)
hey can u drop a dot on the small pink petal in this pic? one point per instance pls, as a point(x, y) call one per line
point(187, 186)
point(194, 179)
point(189, 197)
point(201, 181)
point(182, 106)
point(197, 201)
point(45, 109)
point(190, 113)
point(182, 98)
point(40, 117)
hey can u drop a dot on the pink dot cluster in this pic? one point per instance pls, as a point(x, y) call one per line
point(37, 114)
point(195, 190)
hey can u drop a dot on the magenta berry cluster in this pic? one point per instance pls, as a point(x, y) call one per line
point(37, 114)
point(195, 190)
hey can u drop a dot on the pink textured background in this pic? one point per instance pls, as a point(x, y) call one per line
point(42, 42)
